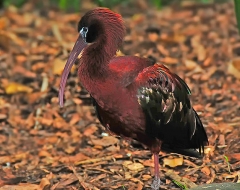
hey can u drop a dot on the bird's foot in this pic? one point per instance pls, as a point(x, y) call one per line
point(156, 183)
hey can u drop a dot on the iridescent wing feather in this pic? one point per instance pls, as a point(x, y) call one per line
point(164, 97)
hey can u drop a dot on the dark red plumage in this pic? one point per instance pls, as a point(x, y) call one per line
point(132, 97)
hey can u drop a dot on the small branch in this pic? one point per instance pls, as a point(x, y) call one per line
point(184, 181)
point(94, 160)
point(85, 185)
point(39, 110)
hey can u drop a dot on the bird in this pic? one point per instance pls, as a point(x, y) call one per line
point(133, 97)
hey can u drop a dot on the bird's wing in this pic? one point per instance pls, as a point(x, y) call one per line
point(164, 97)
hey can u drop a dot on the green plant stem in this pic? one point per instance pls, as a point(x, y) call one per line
point(226, 159)
point(205, 1)
point(62, 4)
point(158, 3)
point(237, 12)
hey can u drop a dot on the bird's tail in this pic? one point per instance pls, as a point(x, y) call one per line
point(199, 139)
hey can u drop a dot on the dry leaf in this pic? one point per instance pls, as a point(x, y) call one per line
point(222, 140)
point(76, 158)
point(209, 149)
point(4, 40)
point(233, 156)
point(14, 38)
point(153, 37)
point(71, 178)
point(45, 121)
point(190, 65)
point(149, 163)
point(127, 175)
point(206, 170)
point(140, 186)
point(136, 180)
point(14, 88)
point(163, 50)
point(24, 72)
point(146, 177)
point(4, 22)
point(58, 66)
point(105, 141)
point(173, 162)
point(234, 67)
point(44, 184)
point(238, 174)
point(230, 176)
point(70, 149)
point(75, 118)
point(175, 38)
point(20, 59)
point(133, 166)
point(201, 52)
point(44, 153)
point(3, 116)
point(39, 66)
point(21, 186)
point(39, 42)
point(35, 96)
point(170, 60)
point(90, 130)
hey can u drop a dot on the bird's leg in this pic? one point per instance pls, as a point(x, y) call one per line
point(156, 181)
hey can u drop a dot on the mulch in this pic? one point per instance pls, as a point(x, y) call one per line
point(45, 147)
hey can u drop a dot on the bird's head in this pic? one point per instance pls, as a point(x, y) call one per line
point(99, 29)
point(101, 23)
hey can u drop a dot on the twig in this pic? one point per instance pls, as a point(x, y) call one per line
point(85, 185)
point(101, 170)
point(238, 181)
point(94, 160)
point(39, 110)
point(184, 181)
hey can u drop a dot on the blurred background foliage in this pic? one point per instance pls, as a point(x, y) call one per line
point(75, 5)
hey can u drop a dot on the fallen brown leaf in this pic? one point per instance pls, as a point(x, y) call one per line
point(133, 166)
point(234, 67)
point(105, 141)
point(190, 65)
point(21, 186)
point(44, 184)
point(206, 170)
point(173, 161)
point(170, 60)
point(13, 88)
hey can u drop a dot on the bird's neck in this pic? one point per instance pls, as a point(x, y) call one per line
point(94, 69)
point(93, 64)
point(95, 59)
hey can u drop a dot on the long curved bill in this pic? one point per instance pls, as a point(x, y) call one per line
point(77, 48)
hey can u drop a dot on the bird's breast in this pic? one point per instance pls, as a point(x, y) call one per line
point(118, 108)
point(121, 113)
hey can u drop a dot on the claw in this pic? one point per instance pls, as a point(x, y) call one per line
point(156, 183)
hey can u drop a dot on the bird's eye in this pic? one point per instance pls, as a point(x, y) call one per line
point(83, 32)
point(85, 29)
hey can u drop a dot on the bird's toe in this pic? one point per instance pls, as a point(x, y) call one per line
point(156, 183)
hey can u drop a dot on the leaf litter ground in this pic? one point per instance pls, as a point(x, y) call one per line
point(44, 146)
